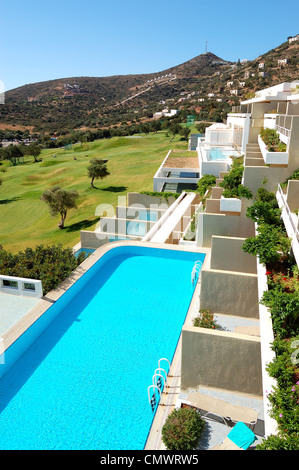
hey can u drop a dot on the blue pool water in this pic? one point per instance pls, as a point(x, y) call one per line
point(81, 381)
point(216, 154)
point(147, 215)
point(115, 238)
point(87, 251)
point(136, 228)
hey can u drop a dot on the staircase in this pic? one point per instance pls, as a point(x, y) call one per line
point(253, 155)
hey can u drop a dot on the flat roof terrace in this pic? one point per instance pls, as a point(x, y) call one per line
point(182, 159)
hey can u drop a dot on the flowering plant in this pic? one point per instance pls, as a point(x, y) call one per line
point(205, 319)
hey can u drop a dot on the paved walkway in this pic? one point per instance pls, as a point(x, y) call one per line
point(13, 308)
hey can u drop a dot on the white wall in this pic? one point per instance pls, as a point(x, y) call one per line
point(219, 136)
point(213, 168)
point(36, 289)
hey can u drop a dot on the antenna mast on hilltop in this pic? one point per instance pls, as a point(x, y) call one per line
point(206, 47)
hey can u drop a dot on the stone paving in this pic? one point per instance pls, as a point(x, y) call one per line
point(13, 308)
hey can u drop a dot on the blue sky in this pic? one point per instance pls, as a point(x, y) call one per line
point(47, 39)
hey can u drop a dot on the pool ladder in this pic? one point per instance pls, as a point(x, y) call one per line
point(159, 382)
point(195, 271)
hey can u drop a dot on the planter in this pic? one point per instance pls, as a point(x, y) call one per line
point(230, 204)
point(272, 158)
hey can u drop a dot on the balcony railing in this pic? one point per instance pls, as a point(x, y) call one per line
point(284, 124)
point(284, 205)
point(283, 130)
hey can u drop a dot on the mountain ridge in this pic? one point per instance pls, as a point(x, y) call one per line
point(97, 102)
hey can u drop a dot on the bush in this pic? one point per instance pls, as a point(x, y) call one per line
point(205, 319)
point(264, 212)
point(50, 264)
point(182, 429)
point(272, 141)
point(294, 176)
point(270, 244)
point(206, 182)
point(232, 182)
point(238, 192)
point(264, 195)
point(290, 442)
point(284, 308)
point(234, 178)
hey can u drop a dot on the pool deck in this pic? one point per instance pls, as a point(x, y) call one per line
point(13, 308)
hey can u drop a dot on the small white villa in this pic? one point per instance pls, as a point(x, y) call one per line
point(293, 39)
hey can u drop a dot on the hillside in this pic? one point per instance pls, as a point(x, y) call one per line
point(90, 102)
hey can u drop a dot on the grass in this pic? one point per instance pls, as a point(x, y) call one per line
point(25, 219)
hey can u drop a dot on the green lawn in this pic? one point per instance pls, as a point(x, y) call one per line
point(25, 219)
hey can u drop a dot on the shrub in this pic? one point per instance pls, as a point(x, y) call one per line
point(232, 182)
point(50, 264)
point(205, 319)
point(270, 244)
point(282, 368)
point(290, 442)
point(182, 429)
point(206, 182)
point(234, 177)
point(284, 309)
point(264, 195)
point(264, 212)
point(238, 192)
point(272, 141)
point(294, 176)
point(165, 195)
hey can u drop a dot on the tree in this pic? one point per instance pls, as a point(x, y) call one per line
point(155, 126)
point(184, 132)
point(97, 169)
point(33, 149)
point(174, 129)
point(13, 153)
point(60, 201)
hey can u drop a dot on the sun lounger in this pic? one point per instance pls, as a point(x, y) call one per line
point(248, 330)
point(226, 411)
point(239, 438)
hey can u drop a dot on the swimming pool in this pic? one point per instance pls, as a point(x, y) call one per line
point(216, 154)
point(82, 382)
point(147, 215)
point(136, 228)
